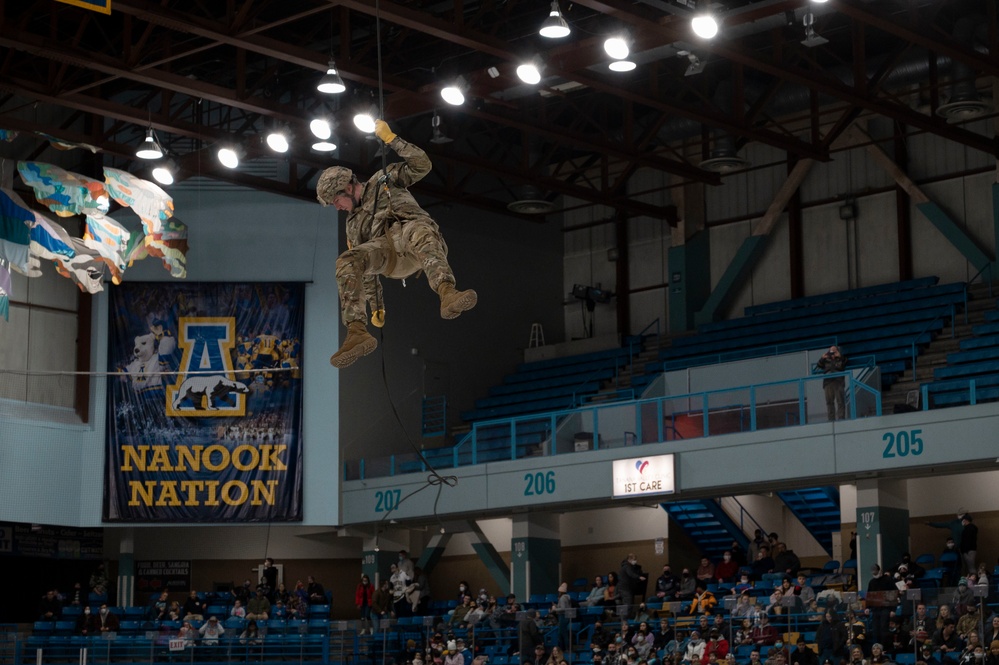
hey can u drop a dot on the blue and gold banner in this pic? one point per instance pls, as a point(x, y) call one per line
point(205, 415)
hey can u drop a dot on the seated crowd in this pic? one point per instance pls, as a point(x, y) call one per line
point(755, 607)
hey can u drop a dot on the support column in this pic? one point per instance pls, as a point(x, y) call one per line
point(125, 596)
point(433, 552)
point(375, 559)
point(536, 554)
point(882, 524)
point(498, 570)
point(688, 259)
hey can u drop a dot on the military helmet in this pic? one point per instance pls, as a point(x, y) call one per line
point(333, 181)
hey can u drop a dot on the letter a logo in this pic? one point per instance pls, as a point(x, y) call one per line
point(207, 386)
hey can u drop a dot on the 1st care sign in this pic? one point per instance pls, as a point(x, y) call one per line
point(643, 475)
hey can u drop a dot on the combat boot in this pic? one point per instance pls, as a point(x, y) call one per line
point(359, 343)
point(454, 302)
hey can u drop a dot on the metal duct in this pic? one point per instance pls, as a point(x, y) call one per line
point(964, 102)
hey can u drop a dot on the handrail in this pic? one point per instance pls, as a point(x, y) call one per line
point(764, 351)
point(915, 340)
point(744, 511)
point(646, 328)
point(986, 267)
point(702, 398)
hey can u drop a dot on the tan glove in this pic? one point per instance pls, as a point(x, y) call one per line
point(378, 318)
point(383, 131)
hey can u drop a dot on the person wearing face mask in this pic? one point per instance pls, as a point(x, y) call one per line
point(688, 585)
point(667, 586)
point(406, 564)
point(779, 648)
point(462, 590)
point(85, 622)
point(107, 622)
point(726, 570)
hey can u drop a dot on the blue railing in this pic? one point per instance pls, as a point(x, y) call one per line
point(769, 405)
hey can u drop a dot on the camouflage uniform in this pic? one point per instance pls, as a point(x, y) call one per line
point(411, 242)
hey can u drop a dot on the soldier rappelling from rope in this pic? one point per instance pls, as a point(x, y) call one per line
point(389, 234)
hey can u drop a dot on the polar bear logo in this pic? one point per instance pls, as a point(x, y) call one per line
point(212, 388)
point(145, 366)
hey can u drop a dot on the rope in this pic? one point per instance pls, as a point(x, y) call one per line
point(434, 477)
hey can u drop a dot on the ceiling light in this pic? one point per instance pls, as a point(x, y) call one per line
point(812, 39)
point(364, 119)
point(331, 83)
point(438, 136)
point(277, 139)
point(621, 66)
point(150, 147)
point(163, 172)
point(819, 2)
point(454, 93)
point(696, 65)
point(617, 47)
point(529, 73)
point(704, 25)
point(229, 156)
point(324, 146)
point(321, 128)
point(555, 25)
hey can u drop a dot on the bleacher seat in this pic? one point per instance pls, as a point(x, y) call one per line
point(319, 611)
point(43, 628)
point(926, 560)
point(64, 628)
point(833, 566)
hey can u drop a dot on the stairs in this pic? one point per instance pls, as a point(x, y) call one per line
point(935, 354)
point(817, 508)
point(704, 522)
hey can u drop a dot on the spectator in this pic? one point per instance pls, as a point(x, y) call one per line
point(187, 633)
point(596, 595)
point(237, 611)
point(688, 586)
point(882, 597)
point(832, 361)
point(878, 655)
point(250, 634)
point(776, 657)
point(744, 634)
point(857, 656)
point(944, 615)
point(803, 654)
point(969, 621)
point(663, 636)
point(85, 622)
point(50, 608)
point(705, 571)
point(856, 631)
point(529, 637)
point(194, 609)
point(159, 608)
point(106, 622)
point(803, 591)
point(764, 563)
point(667, 586)
point(270, 574)
point(920, 626)
point(716, 648)
point(898, 638)
point(911, 566)
point(381, 603)
point(926, 655)
point(632, 581)
point(738, 554)
point(601, 636)
point(564, 604)
point(457, 617)
point(969, 544)
point(744, 607)
point(759, 539)
point(282, 594)
point(830, 638)
point(211, 631)
point(763, 633)
point(362, 598)
point(947, 641)
point(557, 657)
point(299, 605)
point(77, 596)
point(99, 579)
point(726, 571)
point(785, 560)
point(259, 608)
point(992, 658)
point(992, 631)
point(317, 595)
point(406, 565)
point(704, 601)
point(612, 592)
point(174, 612)
point(540, 656)
point(422, 583)
point(694, 652)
